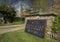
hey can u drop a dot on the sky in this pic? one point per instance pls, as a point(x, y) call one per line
point(26, 4)
point(18, 5)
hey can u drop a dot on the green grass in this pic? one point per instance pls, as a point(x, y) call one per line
point(21, 36)
point(18, 22)
point(14, 23)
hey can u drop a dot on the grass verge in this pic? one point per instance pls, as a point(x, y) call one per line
point(21, 36)
point(14, 23)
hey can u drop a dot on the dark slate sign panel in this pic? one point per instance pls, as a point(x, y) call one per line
point(36, 27)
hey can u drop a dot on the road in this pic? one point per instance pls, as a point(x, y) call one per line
point(4, 29)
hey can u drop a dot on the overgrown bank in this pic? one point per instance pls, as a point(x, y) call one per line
point(56, 27)
point(56, 24)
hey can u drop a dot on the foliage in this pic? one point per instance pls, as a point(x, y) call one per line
point(43, 4)
point(56, 24)
point(40, 3)
point(7, 12)
point(1, 15)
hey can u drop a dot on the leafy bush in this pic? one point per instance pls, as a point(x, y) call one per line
point(56, 24)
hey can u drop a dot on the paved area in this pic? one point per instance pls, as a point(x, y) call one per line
point(4, 29)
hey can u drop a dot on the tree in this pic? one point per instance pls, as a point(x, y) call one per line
point(41, 4)
point(8, 12)
point(21, 5)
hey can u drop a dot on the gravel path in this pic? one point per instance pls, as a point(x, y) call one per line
point(4, 29)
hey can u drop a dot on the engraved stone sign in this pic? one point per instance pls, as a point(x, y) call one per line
point(36, 27)
point(39, 24)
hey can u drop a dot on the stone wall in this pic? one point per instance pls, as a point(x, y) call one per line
point(1, 20)
point(49, 22)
